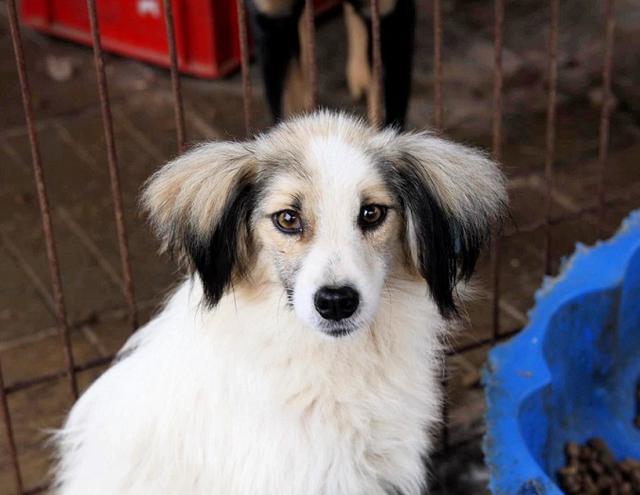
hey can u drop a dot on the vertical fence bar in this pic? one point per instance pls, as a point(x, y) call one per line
point(8, 428)
point(43, 200)
point(375, 96)
point(552, 81)
point(112, 160)
point(605, 113)
point(243, 36)
point(496, 148)
point(438, 103)
point(309, 50)
point(175, 76)
point(496, 120)
point(438, 124)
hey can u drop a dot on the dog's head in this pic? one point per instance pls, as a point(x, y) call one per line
point(329, 211)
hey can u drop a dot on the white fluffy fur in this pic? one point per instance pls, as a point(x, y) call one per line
point(246, 398)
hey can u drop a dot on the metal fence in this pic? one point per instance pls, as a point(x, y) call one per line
point(375, 112)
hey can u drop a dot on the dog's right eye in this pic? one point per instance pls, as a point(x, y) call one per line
point(288, 221)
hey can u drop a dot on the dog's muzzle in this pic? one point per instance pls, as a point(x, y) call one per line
point(336, 303)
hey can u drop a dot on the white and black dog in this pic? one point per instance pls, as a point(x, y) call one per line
point(277, 31)
point(304, 355)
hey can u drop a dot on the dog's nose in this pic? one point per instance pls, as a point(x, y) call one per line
point(336, 303)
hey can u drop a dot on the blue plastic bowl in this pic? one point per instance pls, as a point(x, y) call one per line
point(572, 373)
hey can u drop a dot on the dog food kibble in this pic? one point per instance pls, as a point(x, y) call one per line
point(592, 470)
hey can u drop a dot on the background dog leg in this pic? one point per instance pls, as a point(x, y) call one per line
point(277, 42)
point(297, 90)
point(358, 70)
point(397, 37)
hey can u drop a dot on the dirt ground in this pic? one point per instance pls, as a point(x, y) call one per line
point(69, 128)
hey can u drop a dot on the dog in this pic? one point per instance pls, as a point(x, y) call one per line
point(304, 353)
point(277, 29)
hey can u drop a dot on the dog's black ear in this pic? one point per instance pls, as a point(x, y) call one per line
point(200, 206)
point(451, 196)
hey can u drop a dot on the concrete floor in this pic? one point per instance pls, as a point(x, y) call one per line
point(71, 140)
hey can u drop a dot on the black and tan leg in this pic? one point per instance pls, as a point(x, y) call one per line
point(276, 29)
point(397, 27)
point(358, 70)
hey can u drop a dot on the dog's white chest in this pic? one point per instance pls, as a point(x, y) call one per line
point(204, 410)
point(320, 438)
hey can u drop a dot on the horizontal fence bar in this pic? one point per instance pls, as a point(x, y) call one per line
point(623, 198)
point(472, 346)
point(620, 200)
point(55, 375)
point(38, 489)
point(22, 385)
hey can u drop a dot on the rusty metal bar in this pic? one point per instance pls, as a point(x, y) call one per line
point(38, 489)
point(438, 124)
point(496, 122)
point(43, 200)
point(496, 148)
point(243, 38)
point(483, 342)
point(438, 102)
point(552, 81)
point(309, 50)
point(496, 252)
point(105, 360)
point(616, 200)
point(621, 199)
point(55, 375)
point(605, 114)
point(375, 96)
point(175, 76)
point(112, 160)
point(8, 429)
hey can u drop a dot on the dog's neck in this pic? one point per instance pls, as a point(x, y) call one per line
point(265, 334)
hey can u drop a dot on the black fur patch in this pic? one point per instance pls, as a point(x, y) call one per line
point(447, 249)
point(277, 43)
point(216, 257)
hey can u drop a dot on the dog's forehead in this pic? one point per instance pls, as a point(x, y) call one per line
point(333, 159)
point(323, 158)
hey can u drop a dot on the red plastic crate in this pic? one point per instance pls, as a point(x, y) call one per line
point(206, 30)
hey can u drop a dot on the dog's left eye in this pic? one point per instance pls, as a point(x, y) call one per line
point(288, 221)
point(371, 216)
